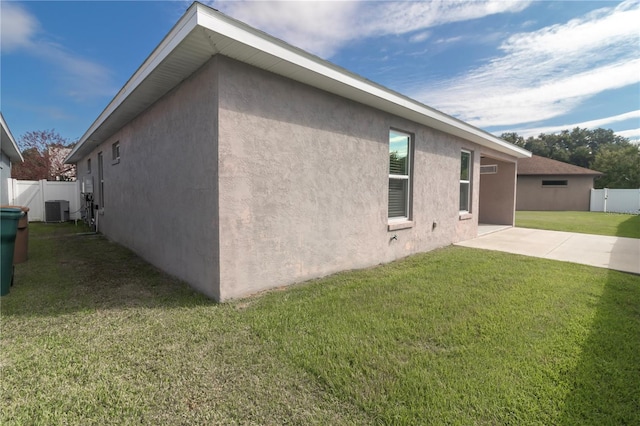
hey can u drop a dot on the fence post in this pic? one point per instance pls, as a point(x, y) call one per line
point(606, 195)
point(12, 191)
point(43, 186)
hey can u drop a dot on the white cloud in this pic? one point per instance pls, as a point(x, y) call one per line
point(79, 78)
point(323, 27)
point(422, 36)
point(632, 134)
point(17, 27)
point(546, 73)
point(449, 40)
point(591, 124)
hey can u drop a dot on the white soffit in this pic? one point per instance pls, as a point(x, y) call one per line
point(8, 143)
point(203, 32)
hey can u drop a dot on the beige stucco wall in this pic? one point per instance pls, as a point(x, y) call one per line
point(304, 180)
point(240, 180)
point(574, 197)
point(161, 198)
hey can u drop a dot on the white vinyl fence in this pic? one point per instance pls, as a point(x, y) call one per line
point(615, 200)
point(34, 193)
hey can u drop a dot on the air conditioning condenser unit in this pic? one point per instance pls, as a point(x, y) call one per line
point(56, 211)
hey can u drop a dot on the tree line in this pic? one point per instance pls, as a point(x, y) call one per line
point(597, 149)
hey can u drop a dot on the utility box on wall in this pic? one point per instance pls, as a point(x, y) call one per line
point(56, 211)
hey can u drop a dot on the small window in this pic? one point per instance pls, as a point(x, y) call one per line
point(88, 165)
point(399, 175)
point(465, 181)
point(115, 152)
point(554, 183)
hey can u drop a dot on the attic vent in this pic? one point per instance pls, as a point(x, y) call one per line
point(488, 169)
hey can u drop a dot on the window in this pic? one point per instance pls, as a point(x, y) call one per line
point(555, 183)
point(115, 152)
point(89, 165)
point(399, 174)
point(465, 181)
point(100, 181)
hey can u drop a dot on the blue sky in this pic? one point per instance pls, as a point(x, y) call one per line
point(523, 66)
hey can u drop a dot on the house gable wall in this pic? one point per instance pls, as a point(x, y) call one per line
point(5, 177)
point(303, 180)
point(161, 198)
point(574, 197)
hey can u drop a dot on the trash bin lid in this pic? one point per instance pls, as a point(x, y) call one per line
point(23, 208)
point(8, 213)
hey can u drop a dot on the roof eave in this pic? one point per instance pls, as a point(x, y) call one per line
point(179, 31)
point(259, 49)
point(12, 150)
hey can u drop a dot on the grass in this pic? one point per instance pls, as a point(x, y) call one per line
point(612, 224)
point(93, 335)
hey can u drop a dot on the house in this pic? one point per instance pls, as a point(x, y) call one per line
point(546, 184)
point(240, 163)
point(9, 153)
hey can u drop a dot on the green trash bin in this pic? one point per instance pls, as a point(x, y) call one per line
point(8, 228)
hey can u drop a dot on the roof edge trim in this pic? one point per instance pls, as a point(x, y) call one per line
point(216, 21)
point(14, 152)
point(199, 15)
point(179, 31)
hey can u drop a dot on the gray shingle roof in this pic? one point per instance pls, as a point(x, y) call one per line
point(540, 166)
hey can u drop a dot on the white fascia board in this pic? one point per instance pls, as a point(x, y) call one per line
point(12, 150)
point(266, 43)
point(299, 61)
point(179, 31)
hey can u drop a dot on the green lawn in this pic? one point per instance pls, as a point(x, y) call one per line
point(91, 334)
point(613, 224)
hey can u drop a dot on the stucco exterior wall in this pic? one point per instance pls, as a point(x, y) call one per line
point(303, 183)
point(240, 180)
point(161, 199)
point(574, 197)
point(498, 193)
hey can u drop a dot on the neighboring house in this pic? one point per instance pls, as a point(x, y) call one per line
point(546, 184)
point(9, 153)
point(239, 163)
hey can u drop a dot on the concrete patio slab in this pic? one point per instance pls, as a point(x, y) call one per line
point(618, 253)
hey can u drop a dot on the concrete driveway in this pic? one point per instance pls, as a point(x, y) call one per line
point(621, 254)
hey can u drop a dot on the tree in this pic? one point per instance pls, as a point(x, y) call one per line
point(597, 149)
point(621, 166)
point(514, 138)
point(578, 146)
point(44, 152)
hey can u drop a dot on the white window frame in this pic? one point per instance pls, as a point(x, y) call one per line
point(115, 152)
point(101, 180)
point(406, 177)
point(467, 181)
